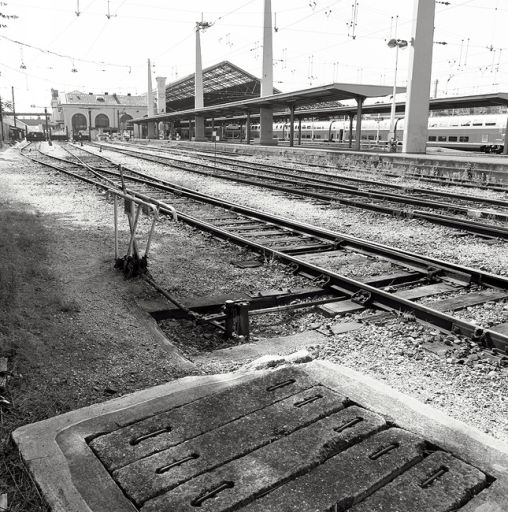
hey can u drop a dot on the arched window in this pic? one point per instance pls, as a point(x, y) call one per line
point(102, 121)
point(123, 121)
point(78, 123)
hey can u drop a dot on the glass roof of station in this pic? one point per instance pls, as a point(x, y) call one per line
point(222, 83)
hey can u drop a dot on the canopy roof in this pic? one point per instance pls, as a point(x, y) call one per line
point(447, 103)
point(222, 82)
point(281, 101)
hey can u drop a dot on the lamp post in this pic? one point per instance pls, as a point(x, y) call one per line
point(47, 126)
point(48, 135)
point(395, 43)
point(90, 125)
point(2, 137)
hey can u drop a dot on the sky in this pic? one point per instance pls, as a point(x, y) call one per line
point(316, 42)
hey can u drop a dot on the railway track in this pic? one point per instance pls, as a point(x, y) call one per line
point(401, 279)
point(449, 182)
point(364, 176)
point(429, 173)
point(329, 189)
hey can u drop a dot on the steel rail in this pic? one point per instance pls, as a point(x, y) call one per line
point(376, 297)
point(403, 188)
point(458, 182)
point(452, 222)
point(451, 182)
point(399, 256)
point(383, 196)
point(372, 296)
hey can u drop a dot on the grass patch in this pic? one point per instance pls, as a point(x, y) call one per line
point(24, 279)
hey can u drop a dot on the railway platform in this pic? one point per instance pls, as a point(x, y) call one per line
point(448, 165)
point(314, 436)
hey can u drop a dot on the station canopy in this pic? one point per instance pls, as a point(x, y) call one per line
point(447, 105)
point(280, 102)
point(222, 83)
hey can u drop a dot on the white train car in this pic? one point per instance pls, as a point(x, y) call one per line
point(470, 133)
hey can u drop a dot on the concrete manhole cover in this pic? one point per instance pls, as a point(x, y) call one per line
point(311, 438)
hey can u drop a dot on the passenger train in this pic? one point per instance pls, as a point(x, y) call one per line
point(35, 136)
point(467, 132)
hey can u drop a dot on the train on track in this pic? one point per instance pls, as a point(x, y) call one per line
point(466, 132)
point(35, 136)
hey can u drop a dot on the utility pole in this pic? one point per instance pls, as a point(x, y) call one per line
point(150, 111)
point(90, 124)
point(1, 123)
point(48, 134)
point(150, 125)
point(13, 106)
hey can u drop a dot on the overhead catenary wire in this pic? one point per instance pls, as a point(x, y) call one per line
point(295, 62)
point(61, 55)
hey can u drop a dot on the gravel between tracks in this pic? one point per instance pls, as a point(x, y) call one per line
point(409, 234)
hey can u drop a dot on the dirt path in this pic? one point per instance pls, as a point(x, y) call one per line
point(68, 323)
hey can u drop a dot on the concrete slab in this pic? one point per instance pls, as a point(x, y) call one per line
point(150, 476)
point(346, 478)
point(268, 467)
point(279, 345)
point(163, 430)
point(203, 411)
point(501, 328)
point(439, 483)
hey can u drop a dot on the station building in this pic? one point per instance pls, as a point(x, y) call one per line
point(91, 114)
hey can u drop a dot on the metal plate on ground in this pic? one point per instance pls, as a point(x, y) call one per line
point(309, 438)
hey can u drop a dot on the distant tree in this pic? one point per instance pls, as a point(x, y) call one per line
point(5, 16)
point(6, 104)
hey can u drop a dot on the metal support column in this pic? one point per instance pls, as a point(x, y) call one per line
point(300, 131)
point(48, 133)
point(292, 125)
point(505, 148)
point(2, 134)
point(247, 128)
point(151, 129)
point(351, 117)
point(420, 69)
point(359, 102)
point(13, 107)
point(266, 127)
